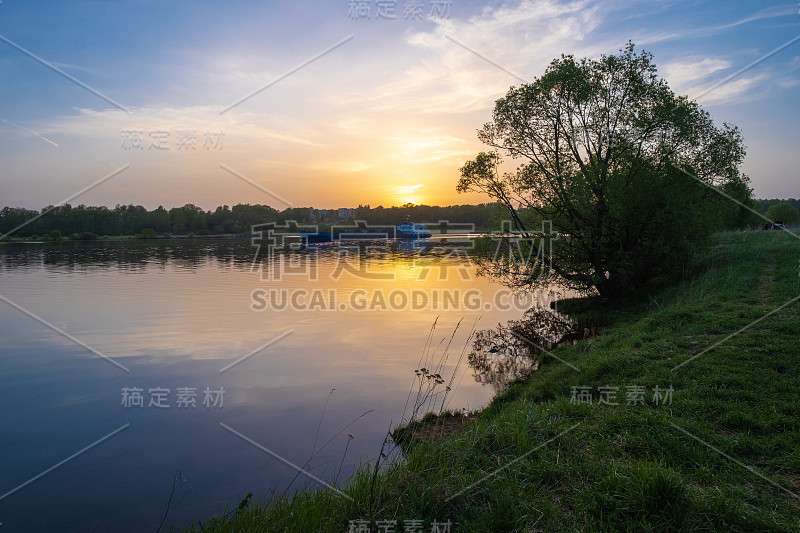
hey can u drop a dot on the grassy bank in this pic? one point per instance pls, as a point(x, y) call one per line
point(720, 452)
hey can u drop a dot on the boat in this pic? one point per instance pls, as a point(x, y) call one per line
point(409, 230)
point(315, 237)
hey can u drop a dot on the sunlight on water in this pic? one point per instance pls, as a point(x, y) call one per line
point(176, 314)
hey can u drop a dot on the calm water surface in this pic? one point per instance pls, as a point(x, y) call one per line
point(175, 314)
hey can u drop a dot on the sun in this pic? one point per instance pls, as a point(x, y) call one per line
point(405, 194)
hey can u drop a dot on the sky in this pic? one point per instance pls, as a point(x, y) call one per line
point(338, 103)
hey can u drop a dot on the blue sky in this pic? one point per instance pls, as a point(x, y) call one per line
point(386, 117)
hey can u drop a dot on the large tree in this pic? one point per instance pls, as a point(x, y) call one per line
point(622, 167)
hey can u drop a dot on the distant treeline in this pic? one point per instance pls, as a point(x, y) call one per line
point(483, 216)
point(763, 205)
point(129, 220)
point(88, 222)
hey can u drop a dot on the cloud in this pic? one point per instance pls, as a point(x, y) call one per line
point(685, 75)
point(697, 79)
point(398, 105)
point(683, 33)
point(766, 13)
point(735, 90)
point(408, 189)
point(444, 77)
point(247, 126)
point(70, 66)
point(37, 134)
point(698, 76)
point(429, 145)
point(788, 83)
point(341, 166)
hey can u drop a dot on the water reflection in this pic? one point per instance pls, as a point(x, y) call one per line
point(177, 312)
point(512, 351)
point(192, 253)
point(126, 255)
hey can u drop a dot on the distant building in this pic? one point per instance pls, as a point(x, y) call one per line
point(331, 215)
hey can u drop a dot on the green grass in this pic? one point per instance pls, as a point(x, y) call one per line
point(536, 461)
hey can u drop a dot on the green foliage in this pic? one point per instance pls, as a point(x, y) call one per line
point(149, 233)
point(83, 236)
point(623, 168)
point(763, 205)
point(245, 503)
point(783, 212)
point(738, 212)
point(135, 219)
point(479, 215)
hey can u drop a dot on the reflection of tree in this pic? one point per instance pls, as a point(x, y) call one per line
point(129, 255)
point(511, 351)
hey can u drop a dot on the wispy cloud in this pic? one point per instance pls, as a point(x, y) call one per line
point(686, 73)
point(764, 14)
point(37, 134)
point(651, 35)
point(408, 188)
point(445, 78)
point(737, 90)
point(428, 145)
point(252, 126)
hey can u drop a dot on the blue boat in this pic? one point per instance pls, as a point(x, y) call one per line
point(315, 238)
point(409, 230)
